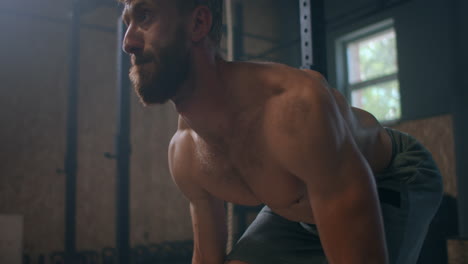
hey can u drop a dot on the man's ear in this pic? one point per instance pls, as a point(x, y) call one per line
point(201, 23)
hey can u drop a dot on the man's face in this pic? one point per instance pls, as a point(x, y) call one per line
point(157, 42)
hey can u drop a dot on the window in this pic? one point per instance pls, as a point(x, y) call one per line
point(371, 70)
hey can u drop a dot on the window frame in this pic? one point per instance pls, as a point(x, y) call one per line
point(342, 62)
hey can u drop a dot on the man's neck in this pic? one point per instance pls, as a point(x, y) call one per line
point(203, 101)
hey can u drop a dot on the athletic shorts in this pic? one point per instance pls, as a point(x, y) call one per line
point(410, 191)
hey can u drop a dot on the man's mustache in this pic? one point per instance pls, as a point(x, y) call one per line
point(142, 59)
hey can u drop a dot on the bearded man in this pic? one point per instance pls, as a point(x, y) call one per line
point(336, 185)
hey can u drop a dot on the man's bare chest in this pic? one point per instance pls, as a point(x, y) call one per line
point(241, 170)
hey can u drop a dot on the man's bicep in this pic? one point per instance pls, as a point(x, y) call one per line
point(183, 167)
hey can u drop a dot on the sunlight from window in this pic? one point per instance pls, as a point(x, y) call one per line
point(373, 74)
point(382, 100)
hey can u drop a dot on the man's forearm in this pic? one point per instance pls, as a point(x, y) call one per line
point(196, 259)
point(351, 229)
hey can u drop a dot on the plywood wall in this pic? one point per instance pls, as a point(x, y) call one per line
point(159, 211)
point(97, 113)
point(32, 132)
point(436, 133)
point(33, 109)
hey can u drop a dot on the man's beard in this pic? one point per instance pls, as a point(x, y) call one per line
point(156, 79)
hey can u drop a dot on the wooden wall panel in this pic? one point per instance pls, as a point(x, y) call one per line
point(33, 76)
point(258, 23)
point(97, 115)
point(436, 134)
point(48, 9)
point(32, 136)
point(269, 31)
point(33, 101)
point(158, 209)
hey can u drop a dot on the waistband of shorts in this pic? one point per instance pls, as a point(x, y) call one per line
point(395, 147)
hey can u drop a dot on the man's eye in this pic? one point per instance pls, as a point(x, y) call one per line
point(144, 16)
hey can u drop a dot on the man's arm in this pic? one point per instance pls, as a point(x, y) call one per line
point(209, 229)
point(309, 137)
point(207, 212)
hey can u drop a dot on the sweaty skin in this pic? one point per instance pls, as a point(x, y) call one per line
point(238, 166)
point(284, 194)
point(258, 133)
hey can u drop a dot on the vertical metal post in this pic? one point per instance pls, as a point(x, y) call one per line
point(122, 142)
point(230, 30)
point(238, 29)
point(461, 113)
point(313, 35)
point(306, 33)
point(230, 57)
point(72, 131)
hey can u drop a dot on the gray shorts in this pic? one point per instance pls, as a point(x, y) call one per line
point(410, 191)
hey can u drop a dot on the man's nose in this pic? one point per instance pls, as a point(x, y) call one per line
point(133, 41)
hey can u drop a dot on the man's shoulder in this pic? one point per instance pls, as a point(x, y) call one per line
point(180, 152)
point(182, 167)
point(287, 80)
point(302, 110)
point(300, 90)
point(276, 82)
point(181, 145)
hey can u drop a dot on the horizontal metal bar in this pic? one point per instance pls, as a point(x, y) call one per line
point(359, 13)
point(275, 49)
point(254, 36)
point(259, 37)
point(361, 85)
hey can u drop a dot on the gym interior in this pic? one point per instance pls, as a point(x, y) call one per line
point(84, 174)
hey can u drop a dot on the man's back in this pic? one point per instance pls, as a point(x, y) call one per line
point(276, 142)
point(237, 166)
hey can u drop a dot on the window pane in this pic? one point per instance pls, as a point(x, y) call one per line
point(372, 57)
point(382, 100)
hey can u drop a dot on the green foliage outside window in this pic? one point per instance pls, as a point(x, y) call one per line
point(369, 59)
point(377, 58)
point(382, 100)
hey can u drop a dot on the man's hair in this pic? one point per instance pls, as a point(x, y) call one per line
point(216, 8)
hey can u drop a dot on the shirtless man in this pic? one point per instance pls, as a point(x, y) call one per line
point(265, 133)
